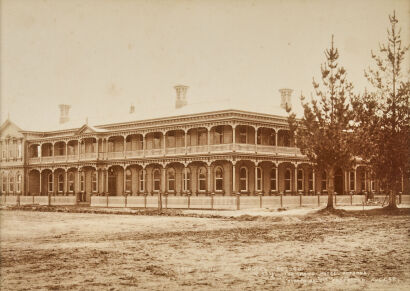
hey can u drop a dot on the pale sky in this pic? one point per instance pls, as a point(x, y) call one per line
point(102, 55)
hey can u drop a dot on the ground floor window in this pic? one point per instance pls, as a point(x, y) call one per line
point(50, 182)
point(82, 178)
point(273, 179)
point(18, 184)
point(300, 180)
point(288, 180)
point(258, 179)
point(351, 181)
point(70, 182)
point(218, 179)
point(243, 179)
point(141, 180)
point(202, 179)
point(156, 180)
point(60, 186)
point(187, 179)
point(94, 181)
point(4, 183)
point(128, 182)
point(171, 180)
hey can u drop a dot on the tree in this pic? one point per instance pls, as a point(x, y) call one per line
point(323, 133)
point(382, 115)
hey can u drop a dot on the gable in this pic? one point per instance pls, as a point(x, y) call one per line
point(9, 129)
point(85, 129)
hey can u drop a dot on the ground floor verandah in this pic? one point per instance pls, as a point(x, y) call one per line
point(219, 177)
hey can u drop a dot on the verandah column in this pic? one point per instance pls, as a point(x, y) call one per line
point(66, 182)
point(296, 179)
point(209, 178)
point(277, 177)
point(314, 180)
point(233, 178)
point(256, 179)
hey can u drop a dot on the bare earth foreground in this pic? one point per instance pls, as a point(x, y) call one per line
point(82, 251)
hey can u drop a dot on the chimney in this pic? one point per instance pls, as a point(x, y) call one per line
point(64, 113)
point(286, 98)
point(181, 96)
point(132, 108)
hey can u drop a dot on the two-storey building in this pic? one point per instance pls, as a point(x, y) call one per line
point(217, 152)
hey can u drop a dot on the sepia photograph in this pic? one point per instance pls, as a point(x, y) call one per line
point(204, 145)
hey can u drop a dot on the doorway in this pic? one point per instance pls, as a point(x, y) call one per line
point(112, 184)
point(339, 181)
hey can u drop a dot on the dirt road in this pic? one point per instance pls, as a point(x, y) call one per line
point(77, 251)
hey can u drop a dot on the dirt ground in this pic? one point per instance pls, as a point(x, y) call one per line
point(299, 250)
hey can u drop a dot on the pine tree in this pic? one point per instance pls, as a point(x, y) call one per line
point(323, 133)
point(382, 115)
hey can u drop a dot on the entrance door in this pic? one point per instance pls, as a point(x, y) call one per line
point(339, 181)
point(112, 184)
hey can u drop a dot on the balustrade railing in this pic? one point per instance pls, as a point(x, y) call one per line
point(134, 154)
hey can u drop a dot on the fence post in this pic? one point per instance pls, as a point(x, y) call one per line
point(126, 200)
point(145, 200)
point(18, 199)
point(260, 200)
point(300, 199)
point(351, 199)
point(212, 201)
point(281, 200)
point(106, 200)
point(189, 201)
point(318, 199)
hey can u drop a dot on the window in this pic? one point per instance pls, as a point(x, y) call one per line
point(243, 179)
point(324, 181)
point(287, 180)
point(141, 180)
point(3, 153)
point(60, 185)
point(60, 149)
point(156, 180)
point(157, 140)
point(82, 178)
point(218, 136)
point(351, 181)
point(310, 181)
point(202, 179)
point(300, 179)
point(243, 134)
point(11, 183)
point(18, 185)
point(218, 179)
point(128, 181)
point(171, 141)
point(4, 183)
point(50, 182)
point(259, 179)
point(70, 182)
point(19, 150)
point(187, 179)
point(202, 136)
point(71, 150)
point(94, 181)
point(272, 139)
point(171, 180)
point(273, 180)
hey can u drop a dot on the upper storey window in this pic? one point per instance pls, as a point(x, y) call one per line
point(218, 136)
point(243, 135)
point(202, 136)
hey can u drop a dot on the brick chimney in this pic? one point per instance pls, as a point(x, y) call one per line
point(181, 96)
point(286, 98)
point(64, 113)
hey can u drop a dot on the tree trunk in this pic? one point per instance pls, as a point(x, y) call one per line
point(331, 188)
point(392, 200)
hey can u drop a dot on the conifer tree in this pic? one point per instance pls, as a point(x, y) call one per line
point(323, 133)
point(382, 115)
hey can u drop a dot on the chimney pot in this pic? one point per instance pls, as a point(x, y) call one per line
point(181, 96)
point(64, 113)
point(286, 98)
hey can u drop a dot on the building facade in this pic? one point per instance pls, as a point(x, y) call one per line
point(226, 152)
